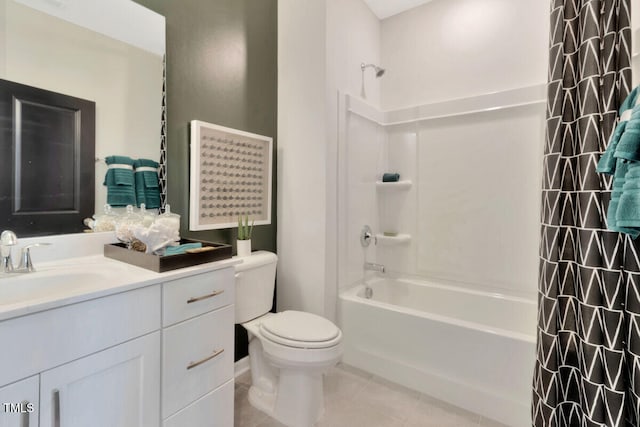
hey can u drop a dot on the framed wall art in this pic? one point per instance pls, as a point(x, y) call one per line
point(230, 177)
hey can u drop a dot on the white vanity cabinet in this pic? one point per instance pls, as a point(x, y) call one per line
point(95, 363)
point(19, 403)
point(158, 354)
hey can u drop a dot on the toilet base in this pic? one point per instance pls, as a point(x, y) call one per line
point(292, 395)
point(297, 400)
point(286, 382)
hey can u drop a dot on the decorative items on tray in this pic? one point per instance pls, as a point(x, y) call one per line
point(141, 230)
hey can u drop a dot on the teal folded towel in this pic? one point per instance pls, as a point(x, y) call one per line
point(630, 101)
point(628, 146)
point(120, 181)
point(181, 249)
point(621, 207)
point(390, 177)
point(621, 159)
point(627, 214)
point(618, 183)
point(607, 162)
point(147, 185)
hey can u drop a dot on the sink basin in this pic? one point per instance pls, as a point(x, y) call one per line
point(16, 287)
point(58, 281)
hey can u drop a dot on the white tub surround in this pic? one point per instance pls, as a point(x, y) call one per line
point(87, 330)
point(472, 349)
point(452, 204)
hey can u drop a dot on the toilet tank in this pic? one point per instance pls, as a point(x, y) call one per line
point(255, 282)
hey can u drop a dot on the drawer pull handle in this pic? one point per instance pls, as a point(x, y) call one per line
point(24, 421)
point(206, 359)
point(211, 295)
point(56, 408)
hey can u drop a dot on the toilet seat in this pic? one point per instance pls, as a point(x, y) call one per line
point(300, 330)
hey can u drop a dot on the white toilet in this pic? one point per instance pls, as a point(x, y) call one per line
point(288, 351)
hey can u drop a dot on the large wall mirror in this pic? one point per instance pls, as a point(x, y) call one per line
point(107, 52)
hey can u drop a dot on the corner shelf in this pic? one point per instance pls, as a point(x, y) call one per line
point(398, 185)
point(399, 239)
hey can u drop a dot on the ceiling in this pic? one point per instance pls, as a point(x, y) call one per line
point(386, 8)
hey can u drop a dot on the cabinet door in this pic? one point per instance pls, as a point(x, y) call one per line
point(119, 386)
point(19, 404)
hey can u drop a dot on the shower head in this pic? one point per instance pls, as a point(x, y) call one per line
point(379, 70)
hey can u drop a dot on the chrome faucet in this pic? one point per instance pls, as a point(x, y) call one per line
point(8, 240)
point(374, 267)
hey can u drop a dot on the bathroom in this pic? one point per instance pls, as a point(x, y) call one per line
point(459, 113)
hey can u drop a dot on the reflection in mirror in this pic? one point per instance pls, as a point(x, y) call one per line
point(110, 53)
point(47, 159)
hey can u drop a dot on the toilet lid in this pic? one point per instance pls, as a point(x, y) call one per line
point(300, 329)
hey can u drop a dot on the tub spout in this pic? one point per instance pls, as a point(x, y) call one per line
point(374, 267)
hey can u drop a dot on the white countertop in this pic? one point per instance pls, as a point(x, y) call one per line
point(72, 280)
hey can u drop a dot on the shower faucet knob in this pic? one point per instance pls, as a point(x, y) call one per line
point(366, 236)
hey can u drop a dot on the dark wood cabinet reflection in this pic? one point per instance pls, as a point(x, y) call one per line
point(47, 160)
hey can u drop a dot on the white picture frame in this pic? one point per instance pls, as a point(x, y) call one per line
point(230, 176)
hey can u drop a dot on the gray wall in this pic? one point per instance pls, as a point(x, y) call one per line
point(222, 69)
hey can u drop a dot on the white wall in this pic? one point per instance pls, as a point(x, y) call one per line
point(302, 153)
point(321, 44)
point(353, 37)
point(473, 209)
point(449, 49)
point(124, 81)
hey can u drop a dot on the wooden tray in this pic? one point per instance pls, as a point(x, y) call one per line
point(159, 264)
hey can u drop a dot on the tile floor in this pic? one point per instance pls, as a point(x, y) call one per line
point(354, 398)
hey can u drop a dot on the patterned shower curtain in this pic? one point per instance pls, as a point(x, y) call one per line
point(587, 369)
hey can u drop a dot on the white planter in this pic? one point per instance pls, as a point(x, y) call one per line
point(244, 247)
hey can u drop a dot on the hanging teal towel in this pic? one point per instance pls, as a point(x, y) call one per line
point(629, 145)
point(621, 159)
point(607, 163)
point(622, 167)
point(119, 181)
point(147, 186)
point(628, 200)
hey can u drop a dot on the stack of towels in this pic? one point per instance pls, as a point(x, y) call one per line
point(126, 186)
point(390, 177)
point(147, 185)
point(622, 160)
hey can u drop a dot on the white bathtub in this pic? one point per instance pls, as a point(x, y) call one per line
point(473, 349)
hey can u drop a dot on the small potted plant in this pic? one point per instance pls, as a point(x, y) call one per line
point(244, 236)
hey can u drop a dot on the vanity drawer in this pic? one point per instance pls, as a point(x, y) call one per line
point(197, 357)
point(213, 409)
point(41, 341)
point(191, 296)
